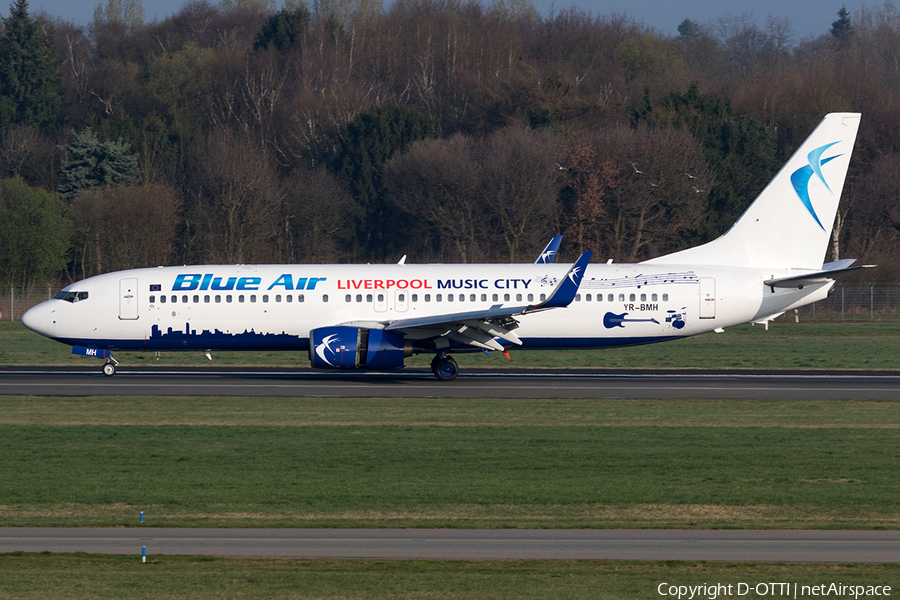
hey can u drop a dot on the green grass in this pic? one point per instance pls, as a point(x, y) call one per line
point(866, 346)
point(44, 576)
point(450, 463)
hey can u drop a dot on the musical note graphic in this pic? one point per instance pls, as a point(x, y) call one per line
point(640, 280)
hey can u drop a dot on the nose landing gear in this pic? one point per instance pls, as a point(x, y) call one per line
point(109, 367)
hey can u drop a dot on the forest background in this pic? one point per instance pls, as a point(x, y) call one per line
point(445, 130)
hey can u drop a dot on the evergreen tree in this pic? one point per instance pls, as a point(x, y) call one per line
point(96, 164)
point(29, 73)
point(842, 28)
point(687, 31)
point(283, 29)
point(372, 139)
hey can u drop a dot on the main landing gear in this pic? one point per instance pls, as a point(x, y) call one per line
point(444, 367)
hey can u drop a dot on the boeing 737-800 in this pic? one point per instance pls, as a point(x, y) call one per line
point(374, 316)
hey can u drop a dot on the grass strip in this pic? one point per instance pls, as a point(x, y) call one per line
point(76, 576)
point(463, 476)
point(444, 412)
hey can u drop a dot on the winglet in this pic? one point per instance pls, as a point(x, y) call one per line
point(549, 253)
point(567, 288)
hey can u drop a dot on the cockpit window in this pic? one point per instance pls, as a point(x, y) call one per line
point(72, 296)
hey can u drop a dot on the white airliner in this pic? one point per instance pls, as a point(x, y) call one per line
point(373, 316)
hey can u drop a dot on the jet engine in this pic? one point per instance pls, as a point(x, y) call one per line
point(345, 347)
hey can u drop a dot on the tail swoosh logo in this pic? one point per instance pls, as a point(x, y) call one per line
point(800, 178)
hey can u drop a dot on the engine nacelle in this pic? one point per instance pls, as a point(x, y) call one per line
point(357, 348)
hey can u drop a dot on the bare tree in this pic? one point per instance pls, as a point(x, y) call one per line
point(588, 178)
point(520, 186)
point(124, 227)
point(437, 181)
point(237, 212)
point(316, 211)
point(660, 191)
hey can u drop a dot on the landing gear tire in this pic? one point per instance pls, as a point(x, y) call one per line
point(109, 369)
point(444, 368)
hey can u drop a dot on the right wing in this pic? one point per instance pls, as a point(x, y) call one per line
point(478, 328)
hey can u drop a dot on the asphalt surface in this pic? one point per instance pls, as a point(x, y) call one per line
point(478, 544)
point(561, 384)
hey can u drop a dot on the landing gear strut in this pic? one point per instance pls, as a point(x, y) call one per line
point(444, 367)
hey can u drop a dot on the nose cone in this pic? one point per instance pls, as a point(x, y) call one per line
point(39, 319)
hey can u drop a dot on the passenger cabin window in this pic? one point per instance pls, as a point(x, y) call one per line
point(665, 297)
point(152, 299)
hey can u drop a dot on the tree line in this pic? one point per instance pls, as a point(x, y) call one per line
point(445, 130)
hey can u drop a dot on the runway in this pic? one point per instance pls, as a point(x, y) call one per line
point(478, 544)
point(472, 383)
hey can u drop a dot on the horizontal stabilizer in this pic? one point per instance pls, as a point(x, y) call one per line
point(837, 270)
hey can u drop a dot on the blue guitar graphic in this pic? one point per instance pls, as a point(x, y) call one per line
point(611, 320)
